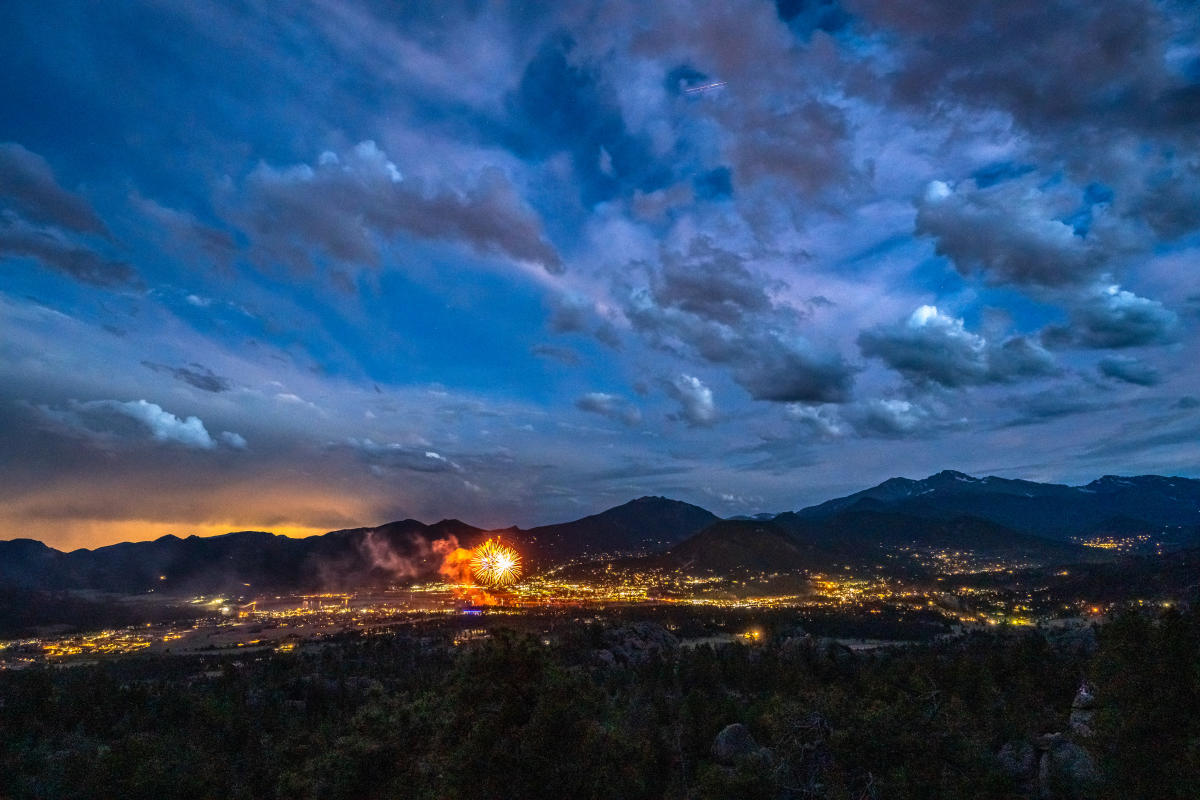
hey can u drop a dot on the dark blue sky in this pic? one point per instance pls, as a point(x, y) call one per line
point(342, 262)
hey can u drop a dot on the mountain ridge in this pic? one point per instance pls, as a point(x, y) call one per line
point(1042, 521)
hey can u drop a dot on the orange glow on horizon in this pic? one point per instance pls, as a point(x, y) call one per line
point(67, 535)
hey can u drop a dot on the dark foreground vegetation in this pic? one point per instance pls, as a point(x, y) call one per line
point(619, 709)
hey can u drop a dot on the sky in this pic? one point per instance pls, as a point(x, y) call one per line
point(307, 266)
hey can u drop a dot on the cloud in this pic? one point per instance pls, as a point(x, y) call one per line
point(187, 232)
point(571, 314)
point(823, 421)
point(891, 417)
point(1129, 370)
point(1170, 198)
point(1062, 63)
point(234, 440)
point(695, 399)
point(194, 375)
point(162, 425)
point(28, 184)
point(611, 406)
point(886, 417)
point(563, 355)
point(344, 205)
point(58, 251)
point(708, 303)
point(1109, 317)
point(396, 456)
point(1011, 232)
point(1051, 404)
point(933, 347)
point(710, 283)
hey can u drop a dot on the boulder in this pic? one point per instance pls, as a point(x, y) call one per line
point(1067, 772)
point(636, 643)
point(734, 742)
point(1018, 760)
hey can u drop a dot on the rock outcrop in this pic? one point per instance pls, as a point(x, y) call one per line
point(733, 743)
point(635, 643)
point(1083, 712)
point(1066, 771)
point(1057, 766)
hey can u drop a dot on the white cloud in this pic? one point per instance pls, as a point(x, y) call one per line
point(695, 399)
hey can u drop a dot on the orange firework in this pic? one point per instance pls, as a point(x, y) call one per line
point(495, 565)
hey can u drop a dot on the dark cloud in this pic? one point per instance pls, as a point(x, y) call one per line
point(711, 283)
point(932, 347)
point(1051, 404)
point(58, 251)
point(1169, 200)
point(28, 184)
point(570, 314)
point(187, 231)
point(346, 204)
point(195, 375)
point(1068, 63)
point(1110, 317)
point(789, 370)
point(1129, 370)
point(803, 147)
point(1011, 232)
point(563, 355)
point(708, 303)
point(611, 406)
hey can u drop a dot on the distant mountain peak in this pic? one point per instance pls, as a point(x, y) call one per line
point(955, 475)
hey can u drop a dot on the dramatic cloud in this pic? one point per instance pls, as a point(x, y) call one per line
point(695, 400)
point(824, 421)
point(710, 283)
point(709, 304)
point(27, 183)
point(541, 204)
point(187, 232)
point(611, 406)
point(892, 417)
point(1065, 63)
point(1051, 404)
point(932, 347)
point(1010, 232)
point(1110, 317)
point(1129, 370)
point(345, 204)
point(58, 251)
point(102, 417)
point(195, 375)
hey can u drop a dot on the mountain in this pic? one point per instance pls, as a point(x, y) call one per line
point(951, 511)
point(1145, 504)
point(248, 562)
point(648, 524)
point(863, 539)
point(736, 544)
point(234, 561)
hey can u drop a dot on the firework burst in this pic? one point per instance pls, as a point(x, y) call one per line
point(495, 565)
